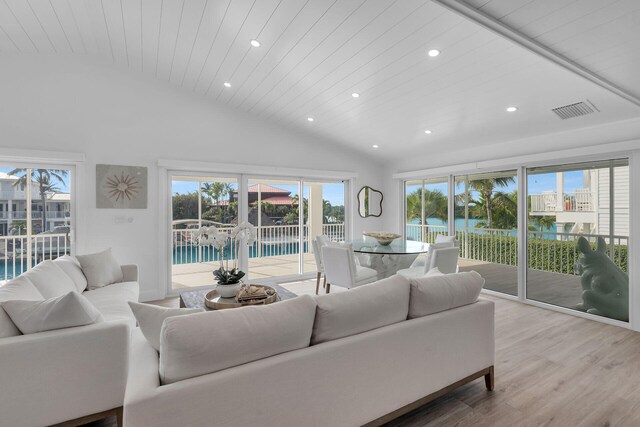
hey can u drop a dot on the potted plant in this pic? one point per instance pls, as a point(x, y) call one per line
point(228, 277)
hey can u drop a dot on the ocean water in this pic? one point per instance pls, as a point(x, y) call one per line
point(459, 223)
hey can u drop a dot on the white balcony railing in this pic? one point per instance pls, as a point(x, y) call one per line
point(578, 201)
point(15, 251)
point(272, 240)
point(22, 215)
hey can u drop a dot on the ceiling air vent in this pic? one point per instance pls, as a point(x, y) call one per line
point(575, 110)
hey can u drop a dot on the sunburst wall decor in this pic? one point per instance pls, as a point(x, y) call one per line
point(121, 187)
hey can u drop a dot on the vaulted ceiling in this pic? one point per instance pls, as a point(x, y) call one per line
point(314, 54)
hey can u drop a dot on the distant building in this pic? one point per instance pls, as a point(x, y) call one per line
point(13, 207)
point(586, 210)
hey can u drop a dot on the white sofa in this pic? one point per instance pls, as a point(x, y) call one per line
point(363, 362)
point(71, 375)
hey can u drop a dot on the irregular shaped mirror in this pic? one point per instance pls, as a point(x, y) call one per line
point(369, 202)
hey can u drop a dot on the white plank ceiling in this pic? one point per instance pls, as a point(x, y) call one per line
point(315, 53)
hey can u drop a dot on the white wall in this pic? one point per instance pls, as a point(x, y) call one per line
point(118, 117)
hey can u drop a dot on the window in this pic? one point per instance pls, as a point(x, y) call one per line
point(32, 231)
point(426, 209)
point(567, 204)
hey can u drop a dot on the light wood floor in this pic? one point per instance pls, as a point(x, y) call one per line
point(552, 369)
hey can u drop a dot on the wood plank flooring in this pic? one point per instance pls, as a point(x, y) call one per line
point(552, 369)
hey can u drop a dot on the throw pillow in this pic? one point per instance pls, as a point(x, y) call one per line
point(72, 268)
point(19, 288)
point(362, 309)
point(50, 279)
point(439, 293)
point(435, 271)
point(65, 311)
point(150, 318)
point(204, 343)
point(100, 269)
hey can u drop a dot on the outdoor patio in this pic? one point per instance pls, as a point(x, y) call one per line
point(553, 288)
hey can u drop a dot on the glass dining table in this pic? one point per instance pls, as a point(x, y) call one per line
point(387, 259)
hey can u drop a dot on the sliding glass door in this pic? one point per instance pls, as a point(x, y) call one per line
point(287, 213)
point(35, 216)
point(578, 237)
point(426, 209)
point(196, 202)
point(486, 222)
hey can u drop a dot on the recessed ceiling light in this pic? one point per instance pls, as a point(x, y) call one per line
point(512, 109)
point(433, 53)
point(355, 95)
point(255, 43)
point(227, 84)
point(310, 119)
point(427, 131)
point(375, 146)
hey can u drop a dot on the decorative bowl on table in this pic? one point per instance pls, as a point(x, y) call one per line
point(381, 237)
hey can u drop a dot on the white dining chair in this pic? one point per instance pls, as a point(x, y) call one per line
point(340, 268)
point(443, 256)
point(317, 244)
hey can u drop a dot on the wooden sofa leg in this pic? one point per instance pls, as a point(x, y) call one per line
point(489, 379)
point(328, 287)
point(119, 414)
point(324, 282)
point(317, 282)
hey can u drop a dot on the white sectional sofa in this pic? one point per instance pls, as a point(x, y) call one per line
point(69, 375)
point(354, 358)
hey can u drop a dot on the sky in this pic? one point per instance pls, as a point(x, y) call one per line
point(333, 192)
point(537, 184)
point(63, 186)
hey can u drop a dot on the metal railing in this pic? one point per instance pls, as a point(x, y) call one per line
point(34, 215)
point(20, 253)
point(578, 201)
point(271, 240)
point(547, 251)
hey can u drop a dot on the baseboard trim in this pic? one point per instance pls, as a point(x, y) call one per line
point(487, 373)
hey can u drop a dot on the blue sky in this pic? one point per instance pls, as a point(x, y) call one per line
point(64, 186)
point(333, 192)
point(537, 184)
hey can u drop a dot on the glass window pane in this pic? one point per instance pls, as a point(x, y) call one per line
point(486, 222)
point(426, 209)
point(578, 237)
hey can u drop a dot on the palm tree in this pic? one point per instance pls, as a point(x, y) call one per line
point(489, 199)
point(435, 205)
point(542, 222)
point(46, 180)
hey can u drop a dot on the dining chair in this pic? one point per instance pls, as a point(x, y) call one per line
point(317, 244)
point(443, 256)
point(340, 268)
point(423, 261)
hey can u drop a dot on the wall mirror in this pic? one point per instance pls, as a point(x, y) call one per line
point(369, 202)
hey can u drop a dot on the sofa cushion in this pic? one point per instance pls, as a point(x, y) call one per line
point(439, 293)
point(150, 318)
point(64, 311)
point(50, 279)
point(100, 269)
point(71, 267)
point(208, 342)
point(19, 288)
point(113, 301)
point(361, 309)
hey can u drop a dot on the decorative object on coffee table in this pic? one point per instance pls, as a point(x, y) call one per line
point(381, 237)
point(196, 299)
point(248, 295)
point(229, 278)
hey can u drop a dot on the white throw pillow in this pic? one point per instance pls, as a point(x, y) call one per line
point(19, 288)
point(100, 269)
point(361, 309)
point(435, 271)
point(72, 268)
point(50, 279)
point(65, 311)
point(150, 318)
point(204, 343)
point(439, 293)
